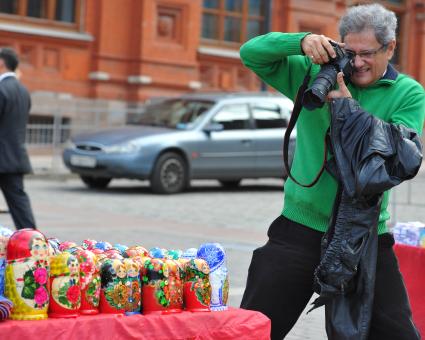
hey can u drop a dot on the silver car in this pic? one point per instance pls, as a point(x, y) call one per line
point(226, 137)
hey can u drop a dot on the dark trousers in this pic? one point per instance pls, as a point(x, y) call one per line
point(280, 282)
point(18, 202)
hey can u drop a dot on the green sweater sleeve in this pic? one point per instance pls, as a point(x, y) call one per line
point(278, 60)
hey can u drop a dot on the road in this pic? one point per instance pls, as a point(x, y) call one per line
point(128, 213)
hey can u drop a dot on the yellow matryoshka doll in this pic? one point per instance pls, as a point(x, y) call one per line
point(65, 294)
point(27, 275)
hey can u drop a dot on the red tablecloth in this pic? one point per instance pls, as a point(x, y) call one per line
point(412, 266)
point(231, 324)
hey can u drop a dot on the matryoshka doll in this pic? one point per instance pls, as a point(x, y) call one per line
point(66, 245)
point(134, 287)
point(5, 234)
point(65, 293)
point(27, 275)
point(155, 290)
point(120, 247)
point(215, 256)
point(135, 251)
point(113, 293)
point(113, 254)
point(89, 282)
point(53, 244)
point(197, 288)
point(88, 244)
point(175, 285)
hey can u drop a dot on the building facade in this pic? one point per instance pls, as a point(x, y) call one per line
point(120, 53)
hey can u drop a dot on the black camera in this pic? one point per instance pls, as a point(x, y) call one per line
point(315, 96)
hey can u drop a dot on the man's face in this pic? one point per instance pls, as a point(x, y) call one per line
point(373, 60)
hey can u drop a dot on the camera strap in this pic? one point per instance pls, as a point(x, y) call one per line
point(294, 117)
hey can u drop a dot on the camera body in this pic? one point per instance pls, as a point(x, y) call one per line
point(315, 96)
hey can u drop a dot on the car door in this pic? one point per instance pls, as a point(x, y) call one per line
point(227, 153)
point(271, 120)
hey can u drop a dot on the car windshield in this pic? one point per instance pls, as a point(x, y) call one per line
point(172, 113)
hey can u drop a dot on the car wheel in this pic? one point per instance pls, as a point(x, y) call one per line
point(170, 174)
point(230, 184)
point(96, 182)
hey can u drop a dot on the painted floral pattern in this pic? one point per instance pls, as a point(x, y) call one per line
point(35, 285)
point(154, 274)
point(92, 293)
point(66, 292)
point(116, 295)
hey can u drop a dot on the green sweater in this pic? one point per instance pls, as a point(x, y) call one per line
point(278, 60)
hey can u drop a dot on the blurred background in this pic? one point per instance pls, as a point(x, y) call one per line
point(94, 63)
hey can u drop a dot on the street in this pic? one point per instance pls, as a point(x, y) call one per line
point(128, 213)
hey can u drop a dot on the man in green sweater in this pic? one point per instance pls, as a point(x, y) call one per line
point(280, 277)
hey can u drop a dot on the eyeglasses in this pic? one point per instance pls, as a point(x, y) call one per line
point(369, 54)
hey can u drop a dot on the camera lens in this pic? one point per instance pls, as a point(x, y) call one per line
point(315, 96)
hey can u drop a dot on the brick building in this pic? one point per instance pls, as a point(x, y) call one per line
point(108, 53)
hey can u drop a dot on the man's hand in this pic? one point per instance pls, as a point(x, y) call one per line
point(342, 91)
point(318, 48)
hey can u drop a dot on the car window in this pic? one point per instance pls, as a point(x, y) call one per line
point(268, 116)
point(233, 117)
point(173, 113)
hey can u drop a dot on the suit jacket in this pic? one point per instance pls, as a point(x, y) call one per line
point(15, 104)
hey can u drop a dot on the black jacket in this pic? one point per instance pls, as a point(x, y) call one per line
point(15, 104)
point(370, 157)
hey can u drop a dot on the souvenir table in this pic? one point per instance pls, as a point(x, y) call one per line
point(412, 264)
point(231, 324)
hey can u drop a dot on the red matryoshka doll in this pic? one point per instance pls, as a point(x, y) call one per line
point(27, 275)
point(155, 290)
point(175, 286)
point(114, 292)
point(197, 288)
point(89, 282)
point(65, 294)
point(134, 287)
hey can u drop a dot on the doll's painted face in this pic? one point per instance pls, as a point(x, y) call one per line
point(39, 248)
point(133, 270)
point(73, 266)
point(121, 272)
point(203, 266)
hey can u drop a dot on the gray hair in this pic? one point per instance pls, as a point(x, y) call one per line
point(374, 17)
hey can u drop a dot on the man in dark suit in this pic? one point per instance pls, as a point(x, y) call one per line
point(15, 104)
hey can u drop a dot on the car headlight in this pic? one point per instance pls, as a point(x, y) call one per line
point(129, 147)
